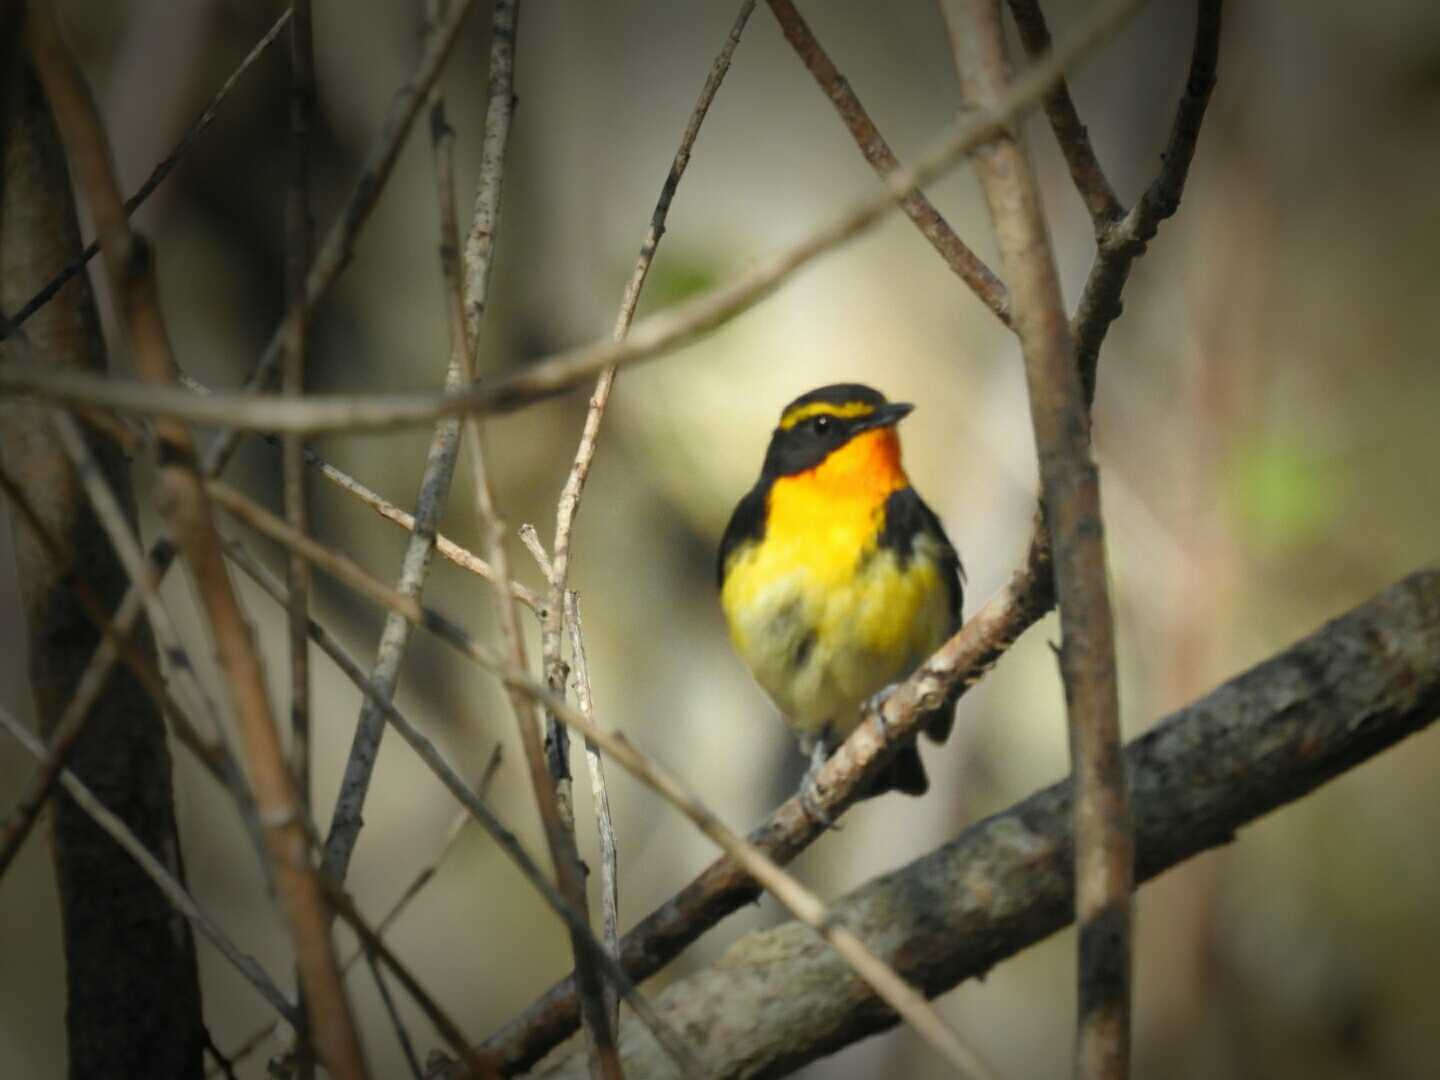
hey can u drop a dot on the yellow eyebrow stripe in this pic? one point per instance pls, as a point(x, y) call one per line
point(847, 411)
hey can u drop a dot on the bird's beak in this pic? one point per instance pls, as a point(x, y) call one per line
point(887, 415)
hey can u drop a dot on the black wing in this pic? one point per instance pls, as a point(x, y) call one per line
point(747, 524)
point(907, 516)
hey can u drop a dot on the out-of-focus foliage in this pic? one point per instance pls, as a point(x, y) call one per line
point(1266, 427)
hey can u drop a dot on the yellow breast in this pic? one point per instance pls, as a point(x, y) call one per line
point(823, 616)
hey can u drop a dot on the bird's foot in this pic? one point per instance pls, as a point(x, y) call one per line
point(809, 793)
point(876, 703)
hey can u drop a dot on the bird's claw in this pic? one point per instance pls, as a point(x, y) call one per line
point(876, 703)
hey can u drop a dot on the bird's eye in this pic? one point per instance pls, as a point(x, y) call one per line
point(821, 424)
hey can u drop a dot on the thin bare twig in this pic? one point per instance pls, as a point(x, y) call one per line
point(557, 567)
point(182, 501)
point(903, 998)
point(648, 338)
point(172, 890)
point(604, 821)
point(374, 945)
point(346, 571)
point(459, 555)
point(422, 877)
point(402, 1034)
point(968, 266)
point(466, 302)
point(1085, 171)
point(71, 725)
point(347, 820)
point(159, 173)
point(1104, 837)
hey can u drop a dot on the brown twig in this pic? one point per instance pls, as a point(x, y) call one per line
point(422, 877)
point(159, 173)
point(182, 501)
point(461, 556)
point(1085, 171)
point(1125, 240)
point(1104, 839)
point(172, 890)
point(1267, 737)
point(551, 375)
point(968, 266)
point(349, 573)
point(804, 904)
point(68, 729)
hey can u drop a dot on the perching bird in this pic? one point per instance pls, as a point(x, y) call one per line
point(836, 579)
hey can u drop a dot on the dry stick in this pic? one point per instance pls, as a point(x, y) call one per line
point(328, 264)
point(467, 300)
point(373, 944)
point(805, 905)
point(459, 555)
point(1104, 837)
point(724, 887)
point(172, 890)
point(557, 567)
point(968, 266)
point(213, 752)
point(182, 501)
point(159, 173)
point(1085, 171)
point(600, 792)
point(422, 877)
point(72, 722)
point(648, 338)
point(347, 571)
point(347, 820)
point(402, 1035)
point(1125, 240)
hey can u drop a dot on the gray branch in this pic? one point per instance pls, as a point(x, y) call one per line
point(779, 998)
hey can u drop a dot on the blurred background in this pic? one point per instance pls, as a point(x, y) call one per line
point(1267, 413)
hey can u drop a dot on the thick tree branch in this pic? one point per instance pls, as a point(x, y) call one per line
point(1265, 738)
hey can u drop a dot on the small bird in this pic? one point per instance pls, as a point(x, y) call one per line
point(836, 579)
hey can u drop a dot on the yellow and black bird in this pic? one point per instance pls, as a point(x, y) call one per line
point(836, 579)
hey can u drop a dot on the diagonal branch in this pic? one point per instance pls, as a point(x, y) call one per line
point(1085, 171)
point(1266, 738)
point(968, 266)
point(173, 891)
